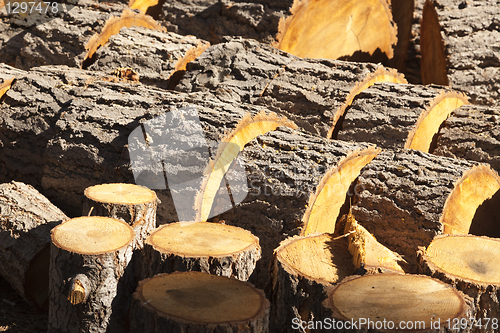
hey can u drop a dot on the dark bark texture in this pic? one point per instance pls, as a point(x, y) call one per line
point(211, 20)
point(471, 35)
point(26, 219)
point(152, 54)
point(472, 133)
point(386, 113)
point(401, 196)
point(308, 92)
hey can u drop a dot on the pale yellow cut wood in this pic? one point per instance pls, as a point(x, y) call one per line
point(396, 297)
point(5, 86)
point(467, 257)
point(190, 55)
point(142, 5)
point(324, 205)
point(334, 28)
point(476, 185)
point(92, 235)
point(247, 129)
point(117, 193)
point(201, 239)
point(316, 257)
point(202, 298)
point(382, 74)
point(367, 251)
point(429, 121)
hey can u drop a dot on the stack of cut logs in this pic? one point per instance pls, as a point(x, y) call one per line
point(366, 202)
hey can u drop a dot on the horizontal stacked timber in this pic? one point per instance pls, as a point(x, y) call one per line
point(471, 132)
point(466, 59)
point(469, 264)
point(90, 282)
point(398, 115)
point(198, 302)
point(133, 204)
point(26, 219)
point(309, 92)
point(207, 247)
point(397, 303)
point(303, 267)
point(406, 197)
point(60, 37)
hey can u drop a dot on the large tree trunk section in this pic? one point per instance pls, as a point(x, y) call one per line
point(303, 267)
point(309, 92)
point(468, 33)
point(402, 13)
point(349, 28)
point(212, 248)
point(198, 302)
point(133, 204)
point(406, 197)
point(471, 132)
point(469, 264)
point(381, 302)
point(398, 116)
point(26, 219)
point(88, 275)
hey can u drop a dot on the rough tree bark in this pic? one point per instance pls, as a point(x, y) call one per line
point(309, 92)
point(467, 262)
point(207, 247)
point(406, 197)
point(198, 302)
point(470, 35)
point(471, 133)
point(90, 280)
point(26, 219)
point(398, 115)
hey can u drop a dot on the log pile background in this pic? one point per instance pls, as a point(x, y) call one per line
point(86, 77)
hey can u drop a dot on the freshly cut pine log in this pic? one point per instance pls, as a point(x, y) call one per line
point(303, 267)
point(467, 56)
point(367, 253)
point(309, 92)
point(133, 204)
point(406, 197)
point(89, 280)
point(398, 116)
point(212, 248)
point(26, 219)
point(380, 302)
point(198, 302)
point(471, 132)
point(469, 263)
point(335, 29)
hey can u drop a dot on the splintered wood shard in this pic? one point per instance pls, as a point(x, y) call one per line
point(433, 58)
point(5, 86)
point(396, 297)
point(332, 29)
point(476, 186)
point(324, 205)
point(382, 74)
point(367, 252)
point(142, 5)
point(247, 129)
point(429, 121)
point(113, 26)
